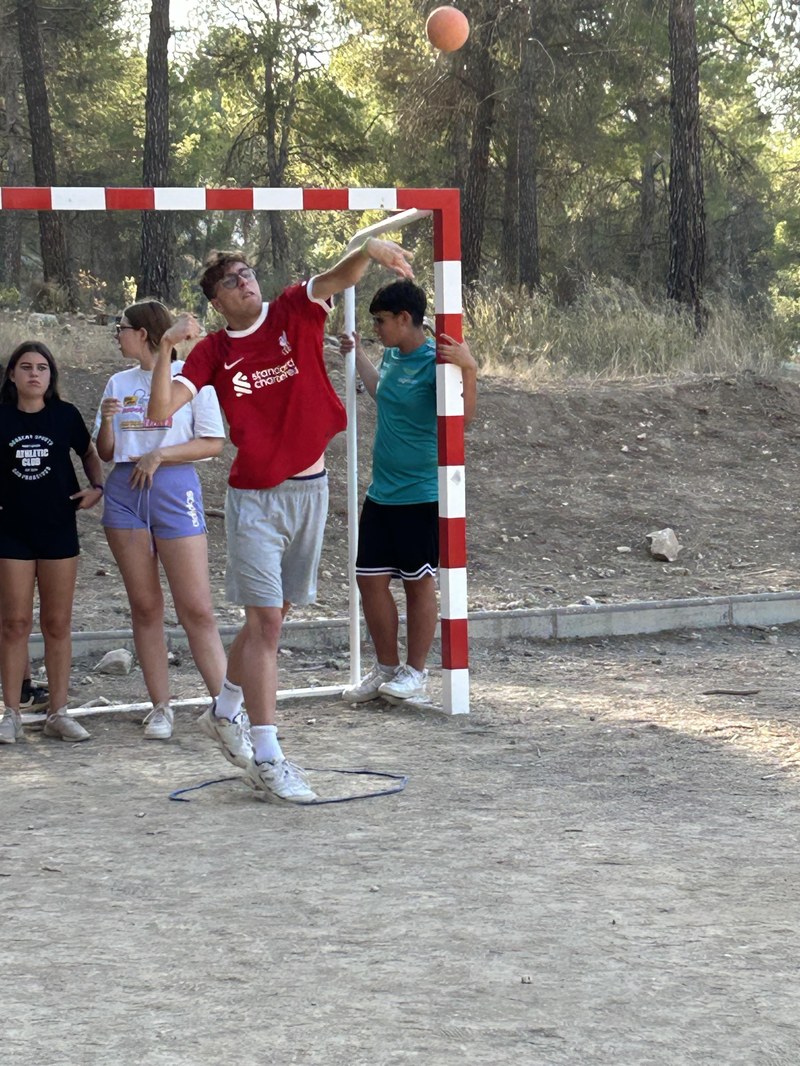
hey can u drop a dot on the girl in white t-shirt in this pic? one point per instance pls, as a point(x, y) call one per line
point(154, 509)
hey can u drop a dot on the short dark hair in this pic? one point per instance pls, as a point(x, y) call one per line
point(8, 390)
point(402, 295)
point(214, 270)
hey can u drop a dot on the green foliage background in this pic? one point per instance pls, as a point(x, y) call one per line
point(349, 93)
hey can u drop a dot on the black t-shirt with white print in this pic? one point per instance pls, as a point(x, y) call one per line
point(37, 477)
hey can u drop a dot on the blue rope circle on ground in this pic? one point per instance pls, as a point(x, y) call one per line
point(401, 779)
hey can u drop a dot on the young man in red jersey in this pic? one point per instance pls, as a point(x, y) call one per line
point(268, 370)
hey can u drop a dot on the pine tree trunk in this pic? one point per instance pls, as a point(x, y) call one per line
point(481, 74)
point(52, 237)
point(530, 275)
point(509, 241)
point(647, 216)
point(11, 221)
point(156, 271)
point(686, 196)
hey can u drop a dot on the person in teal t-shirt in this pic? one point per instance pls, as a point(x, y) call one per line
point(398, 533)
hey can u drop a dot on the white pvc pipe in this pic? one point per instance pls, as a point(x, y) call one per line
point(387, 225)
point(352, 488)
point(199, 701)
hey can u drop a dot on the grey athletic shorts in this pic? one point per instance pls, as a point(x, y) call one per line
point(275, 541)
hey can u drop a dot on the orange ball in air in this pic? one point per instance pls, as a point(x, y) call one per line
point(447, 28)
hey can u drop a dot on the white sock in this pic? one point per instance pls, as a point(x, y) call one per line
point(229, 701)
point(265, 743)
point(384, 669)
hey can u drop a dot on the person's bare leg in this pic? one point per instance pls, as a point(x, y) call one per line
point(185, 561)
point(253, 661)
point(17, 581)
point(421, 616)
point(56, 581)
point(380, 614)
point(138, 566)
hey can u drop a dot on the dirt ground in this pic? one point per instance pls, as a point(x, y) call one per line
point(557, 481)
point(599, 864)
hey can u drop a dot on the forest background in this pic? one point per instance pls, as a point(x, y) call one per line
point(629, 169)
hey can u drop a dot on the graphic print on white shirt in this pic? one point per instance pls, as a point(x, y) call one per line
point(135, 433)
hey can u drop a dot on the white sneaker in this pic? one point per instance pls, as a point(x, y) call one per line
point(10, 727)
point(407, 684)
point(158, 723)
point(63, 727)
point(279, 780)
point(368, 687)
point(232, 738)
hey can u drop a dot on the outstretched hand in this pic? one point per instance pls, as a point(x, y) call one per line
point(391, 256)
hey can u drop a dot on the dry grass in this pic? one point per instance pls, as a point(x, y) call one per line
point(610, 332)
point(73, 342)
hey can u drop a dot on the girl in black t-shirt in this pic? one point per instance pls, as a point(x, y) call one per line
point(39, 497)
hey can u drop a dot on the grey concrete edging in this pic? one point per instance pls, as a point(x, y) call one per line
point(541, 623)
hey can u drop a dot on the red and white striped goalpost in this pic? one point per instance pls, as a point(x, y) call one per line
point(443, 206)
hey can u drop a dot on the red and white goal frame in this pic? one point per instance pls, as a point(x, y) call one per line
point(443, 206)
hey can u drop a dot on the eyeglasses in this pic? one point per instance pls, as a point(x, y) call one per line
point(118, 329)
point(230, 281)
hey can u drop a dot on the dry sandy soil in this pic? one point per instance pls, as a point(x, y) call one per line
point(598, 865)
point(557, 481)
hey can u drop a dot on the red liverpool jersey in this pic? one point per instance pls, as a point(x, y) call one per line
point(272, 385)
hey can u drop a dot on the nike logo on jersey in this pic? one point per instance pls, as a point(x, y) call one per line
point(230, 366)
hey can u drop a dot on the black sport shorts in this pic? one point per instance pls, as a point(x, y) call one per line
point(39, 543)
point(398, 540)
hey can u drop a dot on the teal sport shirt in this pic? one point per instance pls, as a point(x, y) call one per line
point(405, 454)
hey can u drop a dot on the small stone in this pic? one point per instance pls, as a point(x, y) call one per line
point(664, 544)
point(118, 662)
point(526, 979)
point(623, 549)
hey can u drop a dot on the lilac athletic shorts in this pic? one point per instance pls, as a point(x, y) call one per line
point(172, 508)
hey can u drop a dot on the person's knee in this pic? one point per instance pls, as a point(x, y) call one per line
point(16, 628)
point(196, 616)
point(147, 612)
point(55, 627)
point(420, 592)
point(263, 625)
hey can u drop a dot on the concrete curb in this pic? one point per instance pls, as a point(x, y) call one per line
point(542, 623)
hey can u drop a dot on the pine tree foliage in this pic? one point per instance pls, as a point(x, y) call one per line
point(553, 121)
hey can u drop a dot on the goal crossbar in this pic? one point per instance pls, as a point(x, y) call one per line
point(404, 206)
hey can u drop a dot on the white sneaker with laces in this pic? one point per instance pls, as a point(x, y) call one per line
point(368, 687)
point(62, 727)
point(158, 723)
point(232, 738)
point(10, 727)
point(407, 684)
point(279, 780)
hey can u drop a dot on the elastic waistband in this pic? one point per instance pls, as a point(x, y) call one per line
point(309, 477)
